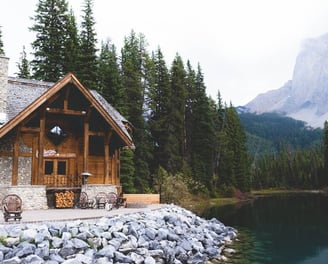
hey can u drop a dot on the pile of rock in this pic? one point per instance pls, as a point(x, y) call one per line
point(168, 235)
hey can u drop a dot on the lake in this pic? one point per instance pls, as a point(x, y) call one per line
point(278, 229)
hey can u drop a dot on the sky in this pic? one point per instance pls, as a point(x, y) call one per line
point(244, 47)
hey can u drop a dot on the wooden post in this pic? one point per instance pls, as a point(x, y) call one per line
point(86, 144)
point(34, 160)
point(14, 178)
point(106, 157)
point(118, 168)
point(41, 147)
point(114, 168)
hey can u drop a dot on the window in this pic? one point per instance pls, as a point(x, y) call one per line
point(55, 167)
point(48, 167)
point(61, 168)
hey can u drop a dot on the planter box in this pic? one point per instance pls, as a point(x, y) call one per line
point(142, 198)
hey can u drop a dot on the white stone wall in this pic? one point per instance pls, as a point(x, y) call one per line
point(93, 189)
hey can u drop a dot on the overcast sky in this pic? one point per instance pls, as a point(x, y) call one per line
point(245, 47)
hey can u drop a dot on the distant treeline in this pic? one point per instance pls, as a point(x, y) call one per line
point(285, 153)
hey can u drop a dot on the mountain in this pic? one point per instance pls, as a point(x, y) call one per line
point(305, 96)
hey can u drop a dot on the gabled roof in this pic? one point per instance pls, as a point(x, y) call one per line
point(25, 96)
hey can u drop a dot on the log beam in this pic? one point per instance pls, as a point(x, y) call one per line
point(14, 178)
point(107, 157)
point(41, 148)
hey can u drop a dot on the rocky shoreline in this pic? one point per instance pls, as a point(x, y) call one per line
point(167, 235)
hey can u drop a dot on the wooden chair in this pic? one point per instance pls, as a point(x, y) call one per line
point(84, 201)
point(112, 200)
point(116, 201)
point(101, 200)
point(12, 207)
point(120, 201)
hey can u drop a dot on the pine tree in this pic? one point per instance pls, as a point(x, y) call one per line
point(2, 52)
point(109, 78)
point(203, 136)
point(127, 171)
point(51, 20)
point(189, 112)
point(223, 154)
point(71, 46)
point(176, 122)
point(111, 87)
point(237, 146)
point(325, 152)
point(87, 72)
point(159, 94)
point(133, 74)
point(23, 66)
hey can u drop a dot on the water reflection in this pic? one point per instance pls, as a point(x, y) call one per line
point(290, 228)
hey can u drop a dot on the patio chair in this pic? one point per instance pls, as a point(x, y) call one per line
point(112, 200)
point(120, 201)
point(12, 207)
point(115, 201)
point(84, 201)
point(101, 200)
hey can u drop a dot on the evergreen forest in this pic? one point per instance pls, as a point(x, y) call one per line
point(186, 141)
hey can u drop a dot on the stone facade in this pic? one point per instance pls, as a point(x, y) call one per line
point(6, 145)
point(24, 170)
point(24, 163)
point(5, 170)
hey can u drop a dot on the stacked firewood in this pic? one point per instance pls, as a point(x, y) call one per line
point(64, 199)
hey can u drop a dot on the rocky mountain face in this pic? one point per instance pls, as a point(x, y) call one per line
point(305, 97)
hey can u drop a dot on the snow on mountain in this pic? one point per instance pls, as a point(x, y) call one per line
point(305, 96)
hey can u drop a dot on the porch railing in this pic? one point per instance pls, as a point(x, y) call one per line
point(68, 181)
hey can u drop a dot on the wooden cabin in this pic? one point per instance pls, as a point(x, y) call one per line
point(53, 135)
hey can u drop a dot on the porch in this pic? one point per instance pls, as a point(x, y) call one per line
point(36, 197)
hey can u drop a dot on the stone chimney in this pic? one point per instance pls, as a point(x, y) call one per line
point(3, 88)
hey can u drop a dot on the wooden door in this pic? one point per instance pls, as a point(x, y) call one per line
point(59, 172)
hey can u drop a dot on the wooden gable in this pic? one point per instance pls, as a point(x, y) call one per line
point(69, 105)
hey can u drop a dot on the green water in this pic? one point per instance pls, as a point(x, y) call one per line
point(278, 229)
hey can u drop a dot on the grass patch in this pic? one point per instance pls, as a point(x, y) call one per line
point(277, 191)
point(199, 204)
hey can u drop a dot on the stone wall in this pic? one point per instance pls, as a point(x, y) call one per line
point(33, 197)
point(5, 170)
point(93, 189)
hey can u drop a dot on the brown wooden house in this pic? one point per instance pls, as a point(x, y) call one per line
point(53, 133)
